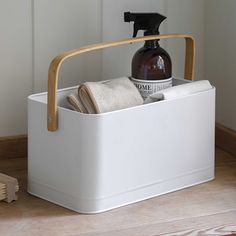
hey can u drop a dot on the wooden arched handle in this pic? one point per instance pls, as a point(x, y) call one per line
point(52, 117)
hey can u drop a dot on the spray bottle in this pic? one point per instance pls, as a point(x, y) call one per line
point(151, 64)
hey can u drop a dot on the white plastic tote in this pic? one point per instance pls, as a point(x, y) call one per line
point(91, 163)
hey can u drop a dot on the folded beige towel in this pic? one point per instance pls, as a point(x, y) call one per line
point(100, 97)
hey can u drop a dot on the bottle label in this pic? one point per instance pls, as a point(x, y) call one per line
point(148, 87)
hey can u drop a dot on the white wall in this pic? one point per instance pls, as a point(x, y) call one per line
point(33, 32)
point(186, 17)
point(15, 65)
point(117, 61)
point(183, 16)
point(61, 25)
point(221, 57)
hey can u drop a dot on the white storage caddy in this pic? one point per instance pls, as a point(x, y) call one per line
point(93, 163)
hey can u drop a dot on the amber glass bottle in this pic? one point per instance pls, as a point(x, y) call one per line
point(151, 64)
point(151, 68)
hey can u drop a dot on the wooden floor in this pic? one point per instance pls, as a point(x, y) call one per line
point(206, 209)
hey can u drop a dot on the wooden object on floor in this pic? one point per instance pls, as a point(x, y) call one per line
point(226, 139)
point(13, 147)
point(8, 188)
point(199, 210)
point(2, 191)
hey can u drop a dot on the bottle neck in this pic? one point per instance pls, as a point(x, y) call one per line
point(152, 44)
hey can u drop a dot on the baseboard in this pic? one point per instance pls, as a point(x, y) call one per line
point(226, 138)
point(13, 147)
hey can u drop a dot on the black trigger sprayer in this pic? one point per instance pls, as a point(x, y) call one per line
point(151, 64)
point(149, 22)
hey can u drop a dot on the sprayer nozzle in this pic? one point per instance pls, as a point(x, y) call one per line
point(149, 22)
point(127, 16)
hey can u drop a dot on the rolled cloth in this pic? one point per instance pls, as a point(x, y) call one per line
point(75, 103)
point(179, 91)
point(100, 97)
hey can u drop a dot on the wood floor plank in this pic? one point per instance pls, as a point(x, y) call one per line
point(203, 225)
point(192, 211)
